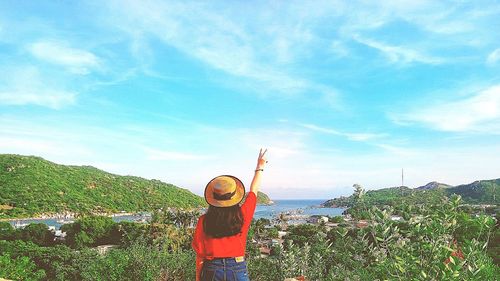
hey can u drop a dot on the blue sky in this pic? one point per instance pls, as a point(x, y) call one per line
point(340, 92)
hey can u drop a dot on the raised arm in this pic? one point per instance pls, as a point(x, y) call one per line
point(261, 163)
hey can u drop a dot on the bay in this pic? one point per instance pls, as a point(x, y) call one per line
point(306, 207)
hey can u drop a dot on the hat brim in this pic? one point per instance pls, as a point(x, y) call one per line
point(235, 200)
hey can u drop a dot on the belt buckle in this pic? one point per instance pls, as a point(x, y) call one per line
point(239, 259)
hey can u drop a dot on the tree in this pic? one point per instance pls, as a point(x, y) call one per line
point(38, 233)
point(21, 268)
point(359, 193)
point(359, 210)
point(281, 220)
point(260, 226)
point(131, 232)
point(7, 232)
point(302, 234)
point(91, 231)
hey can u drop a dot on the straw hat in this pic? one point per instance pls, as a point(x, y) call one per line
point(224, 191)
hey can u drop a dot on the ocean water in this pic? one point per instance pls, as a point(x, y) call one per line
point(58, 223)
point(306, 207)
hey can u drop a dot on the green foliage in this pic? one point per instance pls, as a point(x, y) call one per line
point(7, 232)
point(302, 234)
point(259, 227)
point(58, 261)
point(479, 192)
point(433, 242)
point(264, 269)
point(91, 231)
point(430, 245)
point(171, 229)
point(32, 186)
point(178, 217)
point(494, 243)
point(336, 219)
point(38, 233)
point(131, 232)
point(21, 268)
point(141, 262)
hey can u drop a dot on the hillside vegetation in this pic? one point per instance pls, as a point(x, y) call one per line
point(31, 186)
point(431, 242)
point(478, 192)
point(263, 199)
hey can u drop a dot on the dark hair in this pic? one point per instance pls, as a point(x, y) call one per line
point(223, 221)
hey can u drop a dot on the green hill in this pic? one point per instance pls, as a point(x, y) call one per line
point(263, 199)
point(30, 186)
point(434, 185)
point(478, 192)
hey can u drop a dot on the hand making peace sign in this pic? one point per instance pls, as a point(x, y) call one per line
point(261, 161)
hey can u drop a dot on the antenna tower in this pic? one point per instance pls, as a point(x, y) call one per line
point(402, 177)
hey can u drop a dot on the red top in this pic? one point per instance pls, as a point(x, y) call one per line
point(225, 247)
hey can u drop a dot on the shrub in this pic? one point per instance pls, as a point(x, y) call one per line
point(21, 268)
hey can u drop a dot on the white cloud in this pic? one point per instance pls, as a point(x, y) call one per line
point(41, 147)
point(77, 61)
point(26, 85)
point(400, 150)
point(351, 136)
point(493, 57)
point(339, 49)
point(479, 112)
point(157, 154)
point(47, 98)
point(226, 43)
point(296, 169)
point(433, 17)
point(399, 54)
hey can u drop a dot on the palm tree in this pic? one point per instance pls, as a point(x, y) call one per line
point(260, 225)
point(282, 220)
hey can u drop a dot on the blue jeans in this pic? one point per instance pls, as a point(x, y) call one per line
point(224, 269)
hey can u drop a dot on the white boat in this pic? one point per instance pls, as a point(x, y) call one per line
point(65, 221)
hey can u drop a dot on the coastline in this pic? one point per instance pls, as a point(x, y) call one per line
point(48, 217)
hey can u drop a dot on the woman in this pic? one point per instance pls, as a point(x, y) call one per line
point(220, 236)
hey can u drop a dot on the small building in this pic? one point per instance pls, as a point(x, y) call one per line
point(19, 225)
point(264, 251)
point(103, 249)
point(331, 225)
point(298, 278)
point(276, 241)
point(60, 234)
point(362, 224)
point(317, 219)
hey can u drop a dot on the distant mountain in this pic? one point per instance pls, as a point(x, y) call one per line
point(263, 199)
point(31, 186)
point(478, 192)
point(434, 185)
point(382, 196)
